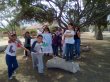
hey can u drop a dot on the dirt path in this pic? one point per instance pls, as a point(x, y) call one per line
point(95, 66)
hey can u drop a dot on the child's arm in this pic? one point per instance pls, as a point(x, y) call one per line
point(68, 35)
point(63, 38)
point(25, 48)
point(78, 33)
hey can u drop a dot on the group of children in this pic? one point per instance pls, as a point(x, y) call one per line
point(46, 43)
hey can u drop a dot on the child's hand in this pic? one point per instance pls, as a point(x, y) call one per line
point(28, 51)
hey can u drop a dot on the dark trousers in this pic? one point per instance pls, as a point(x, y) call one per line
point(60, 47)
point(27, 53)
point(77, 47)
point(55, 50)
point(69, 51)
point(12, 64)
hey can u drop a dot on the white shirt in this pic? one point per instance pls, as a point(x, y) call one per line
point(39, 48)
point(69, 40)
point(33, 40)
point(11, 49)
point(47, 38)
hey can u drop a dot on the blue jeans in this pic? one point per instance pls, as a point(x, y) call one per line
point(69, 51)
point(77, 47)
point(12, 64)
point(55, 50)
point(40, 63)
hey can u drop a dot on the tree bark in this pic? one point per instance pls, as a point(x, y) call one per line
point(99, 35)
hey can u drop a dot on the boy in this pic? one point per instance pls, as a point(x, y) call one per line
point(10, 51)
point(38, 52)
point(69, 42)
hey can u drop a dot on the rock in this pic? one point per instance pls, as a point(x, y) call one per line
point(62, 64)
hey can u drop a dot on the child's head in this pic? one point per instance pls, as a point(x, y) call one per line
point(27, 34)
point(12, 38)
point(77, 28)
point(46, 29)
point(39, 38)
point(33, 33)
point(70, 26)
point(53, 35)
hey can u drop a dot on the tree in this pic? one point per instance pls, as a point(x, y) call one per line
point(8, 12)
point(64, 11)
point(102, 7)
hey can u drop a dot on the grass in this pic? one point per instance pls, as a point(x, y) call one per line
point(95, 66)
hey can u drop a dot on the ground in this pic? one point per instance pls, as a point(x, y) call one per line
point(95, 65)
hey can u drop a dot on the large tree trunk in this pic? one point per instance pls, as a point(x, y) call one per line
point(99, 35)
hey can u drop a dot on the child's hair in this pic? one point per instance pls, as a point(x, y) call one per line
point(46, 28)
point(78, 29)
point(71, 24)
point(27, 33)
point(39, 36)
point(13, 35)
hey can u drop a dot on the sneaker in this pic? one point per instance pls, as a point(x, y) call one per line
point(10, 78)
point(14, 74)
point(78, 57)
point(42, 74)
point(70, 60)
point(66, 60)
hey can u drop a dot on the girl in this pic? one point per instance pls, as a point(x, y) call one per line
point(10, 51)
point(59, 35)
point(69, 42)
point(47, 39)
point(77, 42)
point(55, 44)
point(27, 43)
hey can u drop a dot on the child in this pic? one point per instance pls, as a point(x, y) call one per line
point(38, 52)
point(33, 37)
point(77, 42)
point(69, 42)
point(55, 44)
point(10, 51)
point(59, 36)
point(33, 42)
point(27, 43)
point(47, 38)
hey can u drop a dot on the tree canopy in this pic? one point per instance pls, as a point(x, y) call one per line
point(80, 12)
